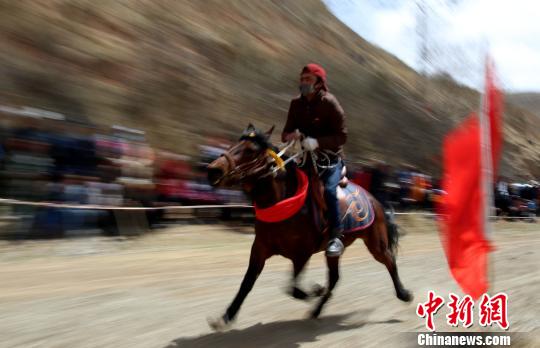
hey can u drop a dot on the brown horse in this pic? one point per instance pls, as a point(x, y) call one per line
point(249, 164)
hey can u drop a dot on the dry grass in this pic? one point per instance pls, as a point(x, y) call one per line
point(182, 69)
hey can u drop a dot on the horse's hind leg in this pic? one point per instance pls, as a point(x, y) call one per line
point(377, 243)
point(333, 277)
point(256, 264)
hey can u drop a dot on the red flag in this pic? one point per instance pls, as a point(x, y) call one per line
point(463, 222)
point(493, 109)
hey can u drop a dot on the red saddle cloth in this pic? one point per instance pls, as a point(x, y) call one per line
point(286, 208)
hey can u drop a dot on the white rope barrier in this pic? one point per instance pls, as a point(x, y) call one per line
point(183, 207)
point(491, 217)
point(111, 207)
point(417, 213)
point(514, 217)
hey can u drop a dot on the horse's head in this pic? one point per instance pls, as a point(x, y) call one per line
point(249, 158)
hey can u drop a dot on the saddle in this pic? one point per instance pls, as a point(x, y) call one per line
point(356, 208)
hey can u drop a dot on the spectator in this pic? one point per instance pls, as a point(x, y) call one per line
point(377, 187)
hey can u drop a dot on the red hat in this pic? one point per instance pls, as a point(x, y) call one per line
point(318, 71)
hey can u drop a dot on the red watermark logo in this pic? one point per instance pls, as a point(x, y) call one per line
point(429, 309)
point(491, 310)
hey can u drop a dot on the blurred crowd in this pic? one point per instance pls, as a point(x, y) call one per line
point(72, 164)
point(404, 187)
point(117, 167)
point(517, 199)
point(408, 188)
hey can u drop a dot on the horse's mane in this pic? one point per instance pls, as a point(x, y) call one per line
point(258, 138)
point(262, 139)
point(290, 176)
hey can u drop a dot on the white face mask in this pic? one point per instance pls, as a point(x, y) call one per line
point(306, 88)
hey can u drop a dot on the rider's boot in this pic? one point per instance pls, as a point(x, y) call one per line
point(335, 245)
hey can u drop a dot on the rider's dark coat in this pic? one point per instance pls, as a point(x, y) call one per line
point(321, 118)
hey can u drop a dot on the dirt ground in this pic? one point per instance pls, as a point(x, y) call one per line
point(158, 290)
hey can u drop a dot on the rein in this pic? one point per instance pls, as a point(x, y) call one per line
point(260, 163)
point(254, 166)
point(287, 207)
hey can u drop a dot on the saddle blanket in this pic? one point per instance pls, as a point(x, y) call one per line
point(356, 210)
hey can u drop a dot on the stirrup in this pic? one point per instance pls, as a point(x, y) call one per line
point(335, 247)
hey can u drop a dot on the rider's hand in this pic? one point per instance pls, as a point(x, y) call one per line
point(296, 135)
point(310, 144)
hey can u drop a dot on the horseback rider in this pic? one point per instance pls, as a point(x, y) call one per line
point(317, 117)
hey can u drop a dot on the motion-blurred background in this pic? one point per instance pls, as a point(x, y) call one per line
point(123, 102)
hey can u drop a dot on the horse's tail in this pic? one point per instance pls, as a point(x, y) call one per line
point(391, 229)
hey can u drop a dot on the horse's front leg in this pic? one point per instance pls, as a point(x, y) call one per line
point(298, 266)
point(299, 263)
point(257, 260)
point(333, 277)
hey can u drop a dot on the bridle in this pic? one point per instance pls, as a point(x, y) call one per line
point(250, 168)
point(261, 162)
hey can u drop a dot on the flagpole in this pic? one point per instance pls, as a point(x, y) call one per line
point(487, 166)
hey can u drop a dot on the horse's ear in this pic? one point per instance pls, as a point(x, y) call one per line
point(268, 133)
point(249, 132)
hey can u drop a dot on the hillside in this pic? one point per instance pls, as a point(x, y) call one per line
point(526, 101)
point(182, 69)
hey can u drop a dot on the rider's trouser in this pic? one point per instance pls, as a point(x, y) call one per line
point(331, 177)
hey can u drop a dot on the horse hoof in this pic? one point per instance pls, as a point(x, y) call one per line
point(405, 296)
point(298, 294)
point(218, 324)
point(318, 290)
point(315, 315)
